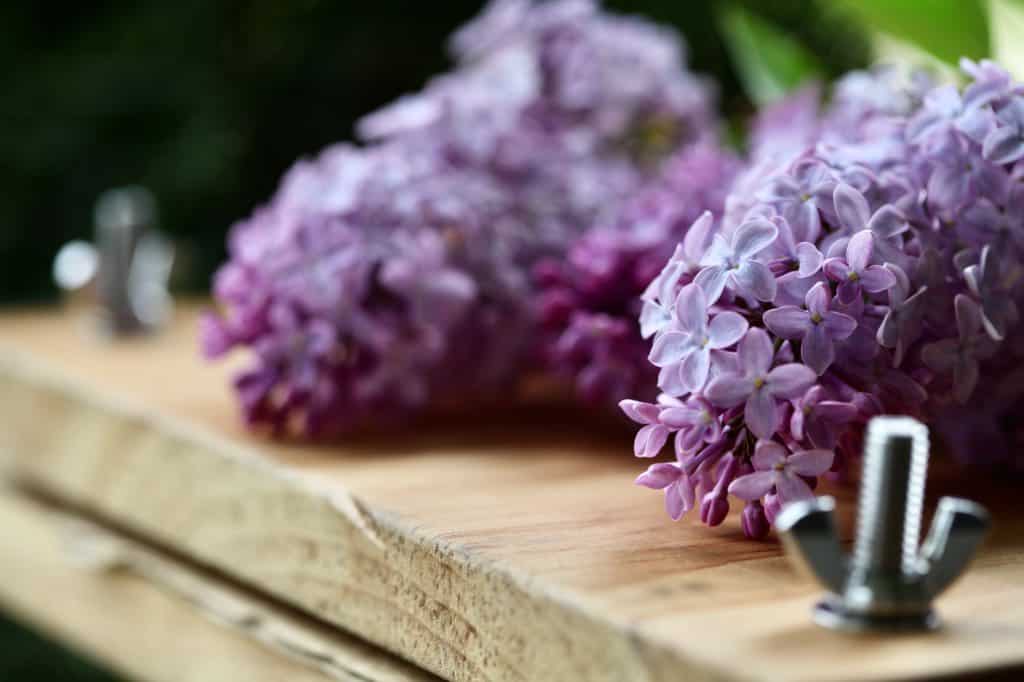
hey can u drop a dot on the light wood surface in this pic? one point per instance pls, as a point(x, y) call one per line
point(151, 618)
point(496, 547)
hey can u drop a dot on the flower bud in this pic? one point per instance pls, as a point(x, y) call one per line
point(754, 521)
point(714, 508)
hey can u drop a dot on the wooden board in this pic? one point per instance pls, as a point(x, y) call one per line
point(98, 591)
point(496, 547)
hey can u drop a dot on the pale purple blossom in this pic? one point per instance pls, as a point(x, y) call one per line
point(732, 262)
point(992, 281)
point(680, 493)
point(685, 346)
point(779, 470)
point(758, 385)
point(815, 325)
point(961, 355)
point(853, 272)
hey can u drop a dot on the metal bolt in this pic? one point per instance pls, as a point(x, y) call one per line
point(127, 270)
point(890, 581)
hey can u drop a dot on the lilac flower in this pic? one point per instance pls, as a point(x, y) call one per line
point(685, 347)
point(901, 325)
point(732, 262)
point(757, 385)
point(777, 469)
point(962, 354)
point(652, 437)
point(816, 326)
point(1005, 144)
point(915, 193)
point(696, 420)
point(800, 196)
point(819, 419)
point(853, 272)
point(994, 288)
point(680, 492)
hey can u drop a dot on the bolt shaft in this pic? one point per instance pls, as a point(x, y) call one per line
point(891, 497)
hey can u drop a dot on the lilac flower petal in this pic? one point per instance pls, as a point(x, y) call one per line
point(670, 348)
point(752, 237)
point(888, 222)
point(728, 390)
point(659, 476)
point(876, 278)
point(1004, 145)
point(837, 269)
point(752, 486)
point(840, 325)
point(848, 291)
point(851, 207)
point(968, 316)
point(687, 492)
point(761, 413)
point(650, 440)
point(858, 251)
point(719, 253)
point(757, 279)
point(693, 371)
point(791, 380)
point(726, 329)
point(810, 462)
point(670, 382)
point(755, 353)
point(767, 454)
point(640, 412)
point(788, 321)
point(809, 259)
point(792, 488)
point(941, 356)
point(712, 280)
point(687, 441)
point(695, 243)
point(818, 299)
point(692, 310)
point(679, 417)
point(817, 351)
point(675, 506)
point(653, 318)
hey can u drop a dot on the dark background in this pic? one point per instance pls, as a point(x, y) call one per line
point(207, 103)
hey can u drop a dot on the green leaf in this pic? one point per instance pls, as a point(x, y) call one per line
point(1006, 17)
point(947, 29)
point(769, 63)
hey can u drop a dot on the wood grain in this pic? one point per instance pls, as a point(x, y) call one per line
point(502, 546)
point(98, 591)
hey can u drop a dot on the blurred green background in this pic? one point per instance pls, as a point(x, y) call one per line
point(207, 104)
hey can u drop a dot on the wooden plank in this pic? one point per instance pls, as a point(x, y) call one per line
point(495, 547)
point(97, 590)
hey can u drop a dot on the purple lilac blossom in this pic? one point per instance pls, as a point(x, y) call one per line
point(382, 280)
point(908, 198)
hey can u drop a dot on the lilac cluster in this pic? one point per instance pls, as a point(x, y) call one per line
point(877, 269)
point(588, 302)
point(383, 279)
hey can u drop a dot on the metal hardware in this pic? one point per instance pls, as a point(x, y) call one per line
point(890, 581)
point(126, 271)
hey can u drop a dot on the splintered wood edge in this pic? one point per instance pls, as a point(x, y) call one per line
point(101, 593)
point(311, 544)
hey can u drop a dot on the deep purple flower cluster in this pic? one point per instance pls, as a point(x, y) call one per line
point(588, 301)
point(379, 280)
point(871, 263)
